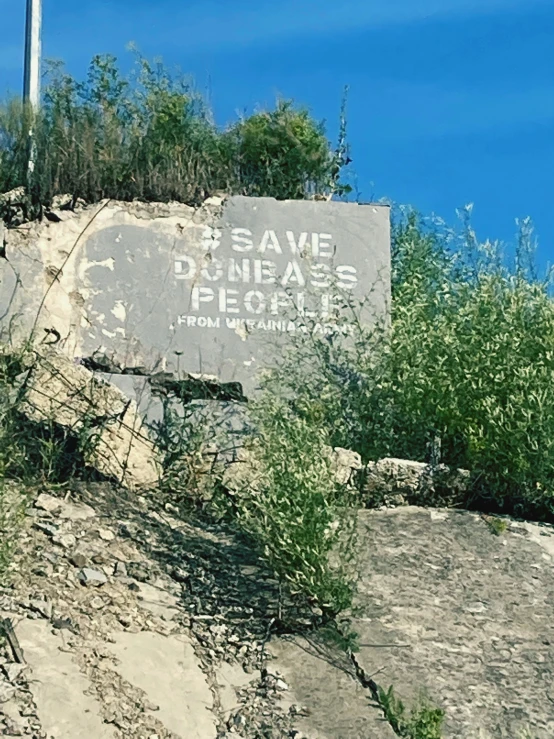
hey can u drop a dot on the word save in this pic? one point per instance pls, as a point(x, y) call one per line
point(264, 275)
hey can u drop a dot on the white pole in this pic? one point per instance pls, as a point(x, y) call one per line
point(31, 84)
point(33, 27)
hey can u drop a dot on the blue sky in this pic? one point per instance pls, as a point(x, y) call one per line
point(451, 101)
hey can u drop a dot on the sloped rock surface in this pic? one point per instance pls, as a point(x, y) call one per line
point(164, 628)
point(449, 607)
point(160, 627)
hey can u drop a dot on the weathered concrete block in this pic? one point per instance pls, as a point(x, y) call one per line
point(56, 389)
point(138, 390)
point(220, 427)
point(217, 290)
point(393, 481)
point(345, 464)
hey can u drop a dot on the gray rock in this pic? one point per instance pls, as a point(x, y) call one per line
point(78, 560)
point(42, 607)
point(395, 482)
point(76, 512)
point(106, 534)
point(100, 558)
point(44, 569)
point(7, 691)
point(16, 724)
point(344, 463)
point(138, 571)
point(246, 473)
point(62, 202)
point(17, 196)
point(87, 576)
point(120, 569)
point(67, 541)
point(64, 623)
point(50, 529)
point(48, 503)
point(56, 387)
point(446, 605)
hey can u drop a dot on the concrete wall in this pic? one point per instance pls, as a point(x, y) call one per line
point(214, 290)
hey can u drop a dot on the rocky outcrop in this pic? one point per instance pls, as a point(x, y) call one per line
point(14, 206)
point(114, 440)
point(398, 482)
point(132, 624)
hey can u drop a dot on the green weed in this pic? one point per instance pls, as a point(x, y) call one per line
point(295, 513)
point(497, 526)
point(424, 721)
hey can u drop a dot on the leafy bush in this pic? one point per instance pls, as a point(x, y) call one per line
point(190, 480)
point(150, 136)
point(465, 371)
point(266, 145)
point(295, 513)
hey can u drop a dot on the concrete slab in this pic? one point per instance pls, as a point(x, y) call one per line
point(448, 607)
point(166, 669)
point(158, 601)
point(59, 687)
point(227, 421)
point(544, 537)
point(338, 706)
point(138, 389)
point(211, 291)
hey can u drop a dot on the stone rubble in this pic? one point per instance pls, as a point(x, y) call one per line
point(442, 603)
point(14, 206)
point(243, 472)
point(392, 482)
point(105, 581)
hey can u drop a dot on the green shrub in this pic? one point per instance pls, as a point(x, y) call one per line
point(189, 480)
point(466, 367)
point(295, 513)
point(150, 136)
point(268, 144)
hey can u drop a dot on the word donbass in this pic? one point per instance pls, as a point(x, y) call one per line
point(300, 271)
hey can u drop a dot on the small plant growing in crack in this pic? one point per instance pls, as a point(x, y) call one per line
point(526, 734)
point(497, 526)
point(424, 720)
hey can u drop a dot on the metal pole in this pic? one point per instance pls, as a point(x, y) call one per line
point(31, 83)
point(33, 27)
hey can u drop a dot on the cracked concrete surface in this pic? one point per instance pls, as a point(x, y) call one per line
point(166, 669)
point(168, 638)
point(337, 706)
point(61, 691)
point(450, 608)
